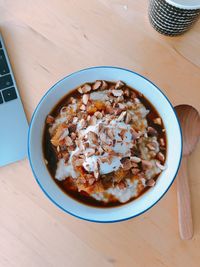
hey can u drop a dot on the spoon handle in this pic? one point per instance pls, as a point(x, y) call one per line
point(184, 204)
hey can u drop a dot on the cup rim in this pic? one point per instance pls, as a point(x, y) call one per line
point(190, 6)
point(46, 193)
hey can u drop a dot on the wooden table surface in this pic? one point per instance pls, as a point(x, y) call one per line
point(47, 40)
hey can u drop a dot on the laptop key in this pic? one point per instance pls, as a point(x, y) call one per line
point(3, 63)
point(9, 94)
point(6, 81)
point(1, 98)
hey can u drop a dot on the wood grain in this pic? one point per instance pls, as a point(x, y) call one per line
point(47, 40)
point(184, 203)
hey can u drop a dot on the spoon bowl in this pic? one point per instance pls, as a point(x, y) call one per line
point(190, 124)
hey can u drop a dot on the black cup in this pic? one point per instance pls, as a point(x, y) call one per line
point(171, 19)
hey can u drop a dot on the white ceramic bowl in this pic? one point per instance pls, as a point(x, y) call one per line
point(174, 143)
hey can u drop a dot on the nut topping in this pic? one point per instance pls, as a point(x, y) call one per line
point(73, 136)
point(146, 164)
point(158, 121)
point(162, 142)
point(128, 118)
point(68, 141)
point(161, 157)
point(135, 135)
point(127, 165)
point(135, 159)
point(92, 137)
point(50, 119)
point(85, 99)
point(119, 99)
point(121, 116)
point(96, 85)
point(82, 123)
point(152, 131)
point(91, 180)
point(86, 88)
point(96, 170)
point(133, 95)
point(150, 182)
point(135, 171)
point(119, 85)
point(79, 162)
point(91, 152)
point(75, 120)
point(127, 92)
point(80, 90)
point(160, 166)
point(110, 133)
point(98, 115)
point(104, 85)
point(93, 120)
point(121, 185)
point(88, 118)
point(121, 106)
point(122, 133)
point(83, 107)
point(73, 100)
point(117, 92)
point(151, 146)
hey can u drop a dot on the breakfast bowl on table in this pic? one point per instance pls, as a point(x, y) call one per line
point(104, 144)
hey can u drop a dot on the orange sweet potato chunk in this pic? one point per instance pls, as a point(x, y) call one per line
point(119, 175)
point(99, 105)
point(91, 110)
point(58, 132)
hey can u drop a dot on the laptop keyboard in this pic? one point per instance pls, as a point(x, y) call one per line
point(5, 81)
point(3, 64)
point(1, 98)
point(7, 89)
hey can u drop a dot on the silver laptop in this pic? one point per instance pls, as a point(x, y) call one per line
point(13, 122)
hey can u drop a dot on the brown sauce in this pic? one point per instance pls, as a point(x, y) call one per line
point(49, 154)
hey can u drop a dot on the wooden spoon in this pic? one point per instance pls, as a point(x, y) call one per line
point(190, 123)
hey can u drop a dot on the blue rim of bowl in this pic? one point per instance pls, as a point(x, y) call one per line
point(36, 178)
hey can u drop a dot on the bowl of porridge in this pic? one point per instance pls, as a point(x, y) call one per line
point(104, 144)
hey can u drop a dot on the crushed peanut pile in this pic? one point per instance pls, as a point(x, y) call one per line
point(108, 144)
